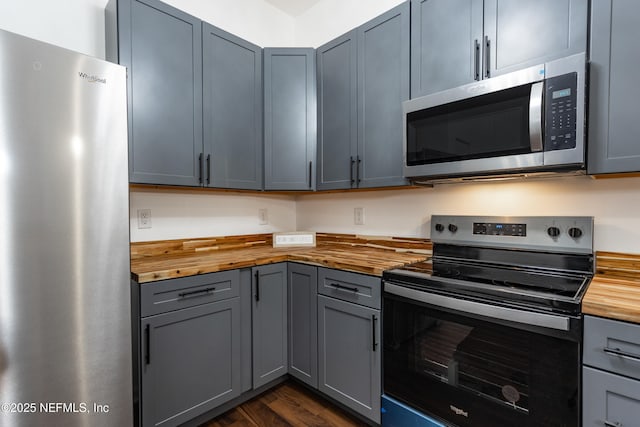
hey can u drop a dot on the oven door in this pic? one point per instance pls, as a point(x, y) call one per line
point(474, 370)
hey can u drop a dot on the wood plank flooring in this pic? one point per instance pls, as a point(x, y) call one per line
point(287, 405)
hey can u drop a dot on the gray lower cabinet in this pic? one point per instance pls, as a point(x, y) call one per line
point(363, 77)
point(290, 118)
point(162, 49)
point(483, 39)
point(269, 332)
point(613, 131)
point(303, 323)
point(190, 361)
point(611, 373)
point(232, 104)
point(349, 355)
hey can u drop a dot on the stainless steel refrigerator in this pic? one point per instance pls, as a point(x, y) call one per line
point(65, 319)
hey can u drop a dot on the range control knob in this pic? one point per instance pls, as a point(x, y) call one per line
point(575, 232)
point(439, 228)
point(553, 231)
point(453, 228)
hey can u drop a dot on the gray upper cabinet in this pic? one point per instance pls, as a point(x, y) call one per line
point(303, 323)
point(190, 361)
point(483, 39)
point(269, 323)
point(525, 33)
point(161, 48)
point(337, 112)
point(444, 56)
point(383, 83)
point(290, 118)
point(232, 104)
point(614, 136)
point(363, 77)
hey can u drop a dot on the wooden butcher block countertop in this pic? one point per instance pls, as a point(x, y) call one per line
point(167, 259)
point(614, 291)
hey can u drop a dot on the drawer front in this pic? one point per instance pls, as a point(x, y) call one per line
point(612, 345)
point(609, 399)
point(175, 294)
point(351, 287)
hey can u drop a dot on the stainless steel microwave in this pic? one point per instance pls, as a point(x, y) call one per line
point(528, 121)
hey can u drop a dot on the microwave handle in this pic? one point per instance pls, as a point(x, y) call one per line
point(535, 117)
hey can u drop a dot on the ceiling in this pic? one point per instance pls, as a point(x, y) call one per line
point(293, 7)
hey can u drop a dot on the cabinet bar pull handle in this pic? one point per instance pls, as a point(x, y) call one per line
point(345, 288)
point(208, 168)
point(620, 353)
point(351, 170)
point(310, 175)
point(200, 292)
point(374, 319)
point(257, 286)
point(358, 170)
point(487, 57)
point(147, 344)
point(476, 62)
point(200, 164)
point(610, 424)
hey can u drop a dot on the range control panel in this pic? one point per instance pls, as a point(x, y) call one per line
point(556, 234)
point(500, 229)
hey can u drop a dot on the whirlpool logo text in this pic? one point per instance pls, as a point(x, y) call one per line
point(92, 78)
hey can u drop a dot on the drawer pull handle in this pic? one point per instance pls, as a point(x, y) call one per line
point(619, 353)
point(610, 424)
point(201, 292)
point(345, 288)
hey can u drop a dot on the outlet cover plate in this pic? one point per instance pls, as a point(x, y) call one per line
point(294, 239)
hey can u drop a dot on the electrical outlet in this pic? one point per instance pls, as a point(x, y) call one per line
point(358, 216)
point(144, 218)
point(263, 216)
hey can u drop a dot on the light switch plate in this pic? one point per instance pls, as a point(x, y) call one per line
point(294, 239)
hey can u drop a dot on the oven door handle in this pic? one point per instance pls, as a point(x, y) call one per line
point(492, 311)
point(535, 117)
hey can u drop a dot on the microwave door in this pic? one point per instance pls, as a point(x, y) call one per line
point(492, 133)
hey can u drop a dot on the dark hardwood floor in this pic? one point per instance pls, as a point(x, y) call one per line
point(288, 404)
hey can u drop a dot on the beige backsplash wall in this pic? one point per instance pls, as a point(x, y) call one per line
point(615, 204)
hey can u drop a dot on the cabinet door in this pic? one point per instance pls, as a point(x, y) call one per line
point(303, 323)
point(609, 399)
point(383, 83)
point(190, 362)
point(613, 131)
point(290, 119)
point(162, 49)
point(269, 323)
point(522, 33)
point(445, 56)
point(232, 100)
point(337, 112)
point(349, 355)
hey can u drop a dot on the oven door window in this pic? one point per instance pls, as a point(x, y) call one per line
point(490, 125)
point(477, 373)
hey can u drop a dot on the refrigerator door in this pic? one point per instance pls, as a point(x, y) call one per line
point(65, 311)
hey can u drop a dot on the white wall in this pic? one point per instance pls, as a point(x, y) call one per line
point(73, 24)
point(330, 18)
point(189, 214)
point(615, 204)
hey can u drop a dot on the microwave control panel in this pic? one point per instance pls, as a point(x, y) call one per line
point(560, 112)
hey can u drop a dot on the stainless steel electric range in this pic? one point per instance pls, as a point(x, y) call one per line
point(488, 333)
